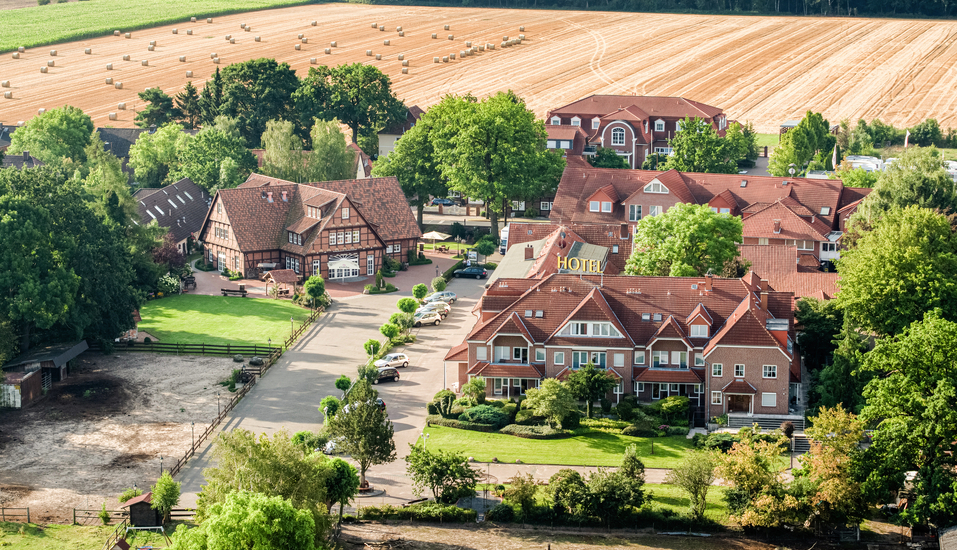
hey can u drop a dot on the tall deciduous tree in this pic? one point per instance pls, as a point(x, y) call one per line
point(590, 383)
point(822, 321)
point(447, 475)
point(905, 266)
point(742, 143)
point(842, 381)
point(202, 157)
point(800, 145)
point(494, 150)
point(283, 157)
point(165, 495)
point(687, 240)
point(159, 110)
point(257, 91)
point(697, 147)
point(552, 400)
point(606, 157)
point(56, 135)
point(917, 178)
point(154, 156)
point(415, 165)
point(188, 104)
point(835, 436)
point(365, 429)
point(912, 403)
point(103, 176)
point(331, 158)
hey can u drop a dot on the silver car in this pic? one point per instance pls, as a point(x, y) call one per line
point(393, 360)
point(441, 308)
point(446, 296)
point(426, 318)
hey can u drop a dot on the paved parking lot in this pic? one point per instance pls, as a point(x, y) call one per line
point(288, 396)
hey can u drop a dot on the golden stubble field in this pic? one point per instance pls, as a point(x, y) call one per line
point(761, 69)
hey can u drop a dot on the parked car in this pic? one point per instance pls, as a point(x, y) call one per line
point(386, 373)
point(443, 202)
point(442, 308)
point(475, 271)
point(379, 403)
point(425, 318)
point(332, 447)
point(393, 360)
point(446, 296)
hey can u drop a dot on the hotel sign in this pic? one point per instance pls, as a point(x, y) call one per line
point(578, 264)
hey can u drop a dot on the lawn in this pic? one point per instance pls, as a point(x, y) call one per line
point(39, 25)
point(896, 151)
point(196, 319)
point(590, 449)
point(673, 498)
point(68, 537)
point(768, 140)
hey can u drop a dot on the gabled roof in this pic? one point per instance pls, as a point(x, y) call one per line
point(146, 497)
point(745, 326)
point(593, 308)
point(283, 276)
point(513, 324)
point(180, 207)
point(363, 162)
point(59, 354)
point(702, 311)
point(655, 106)
point(779, 265)
point(739, 386)
point(669, 329)
point(488, 370)
point(792, 226)
point(458, 353)
point(20, 161)
point(119, 140)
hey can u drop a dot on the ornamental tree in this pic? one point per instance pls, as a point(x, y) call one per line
point(165, 495)
point(407, 305)
point(687, 240)
point(447, 475)
point(694, 475)
point(697, 147)
point(372, 347)
point(419, 291)
point(315, 288)
point(342, 486)
point(57, 134)
point(553, 400)
point(366, 431)
point(590, 383)
point(389, 330)
point(835, 436)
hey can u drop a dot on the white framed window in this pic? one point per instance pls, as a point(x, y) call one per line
point(516, 382)
point(345, 213)
point(769, 400)
point(497, 386)
point(576, 121)
point(316, 267)
point(699, 331)
point(556, 121)
point(801, 245)
point(219, 207)
point(348, 237)
point(332, 238)
point(717, 370)
point(828, 247)
point(551, 144)
point(559, 358)
point(619, 359)
point(639, 357)
point(595, 123)
point(614, 249)
point(539, 355)
point(698, 360)
point(289, 235)
point(825, 210)
point(520, 354)
point(659, 126)
point(680, 359)
point(763, 241)
point(397, 248)
point(659, 358)
point(388, 249)
point(594, 206)
point(674, 388)
point(655, 210)
point(370, 265)
point(715, 398)
point(770, 371)
point(481, 353)
point(698, 388)
point(340, 237)
point(606, 206)
point(620, 388)
point(634, 212)
point(355, 236)
point(639, 387)
point(739, 371)
point(546, 206)
point(618, 136)
point(655, 187)
point(678, 125)
point(502, 353)
point(236, 263)
point(580, 358)
point(646, 317)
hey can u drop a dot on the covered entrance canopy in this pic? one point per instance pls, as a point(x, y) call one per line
point(344, 266)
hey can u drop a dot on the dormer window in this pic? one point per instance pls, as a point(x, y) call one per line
point(594, 206)
point(699, 331)
point(655, 187)
point(659, 126)
point(595, 123)
point(576, 121)
point(605, 206)
point(678, 125)
point(556, 121)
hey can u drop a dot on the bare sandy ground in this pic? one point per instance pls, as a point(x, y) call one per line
point(104, 429)
point(761, 69)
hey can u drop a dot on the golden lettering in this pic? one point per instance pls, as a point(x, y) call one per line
point(593, 266)
point(574, 264)
point(562, 262)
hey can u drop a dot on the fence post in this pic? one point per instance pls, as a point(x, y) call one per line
point(28, 515)
point(74, 517)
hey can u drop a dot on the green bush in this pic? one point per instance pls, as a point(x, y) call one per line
point(43, 2)
point(129, 493)
point(678, 430)
point(502, 513)
point(432, 408)
point(497, 403)
point(533, 432)
point(613, 426)
point(485, 414)
point(458, 424)
point(526, 417)
point(426, 511)
point(719, 440)
point(510, 409)
point(103, 515)
point(391, 264)
point(447, 275)
point(625, 410)
point(635, 431)
point(389, 287)
point(438, 284)
point(531, 212)
point(605, 405)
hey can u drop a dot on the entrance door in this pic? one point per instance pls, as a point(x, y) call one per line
point(739, 403)
point(222, 262)
point(343, 266)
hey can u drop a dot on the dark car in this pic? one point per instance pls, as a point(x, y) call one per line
point(387, 373)
point(473, 271)
point(443, 202)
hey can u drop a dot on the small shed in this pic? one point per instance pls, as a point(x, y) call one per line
point(19, 389)
point(285, 279)
point(53, 362)
point(142, 513)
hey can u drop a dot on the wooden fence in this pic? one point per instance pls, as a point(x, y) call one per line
point(302, 328)
point(188, 349)
point(92, 517)
point(182, 514)
point(14, 514)
point(118, 532)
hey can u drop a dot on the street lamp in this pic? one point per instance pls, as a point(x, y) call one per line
point(192, 432)
point(291, 329)
point(161, 465)
point(218, 410)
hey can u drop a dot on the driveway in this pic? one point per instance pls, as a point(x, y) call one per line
point(288, 396)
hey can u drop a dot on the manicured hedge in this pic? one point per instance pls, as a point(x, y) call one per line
point(533, 432)
point(437, 420)
point(448, 272)
point(426, 511)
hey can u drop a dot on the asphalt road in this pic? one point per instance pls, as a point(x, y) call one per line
point(288, 395)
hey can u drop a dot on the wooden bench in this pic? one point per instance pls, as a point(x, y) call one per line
point(284, 292)
point(229, 292)
point(189, 282)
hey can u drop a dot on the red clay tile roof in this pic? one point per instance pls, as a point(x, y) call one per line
point(500, 370)
point(146, 497)
point(599, 105)
point(673, 376)
point(762, 224)
point(411, 117)
point(362, 161)
point(286, 276)
point(739, 386)
point(778, 265)
point(458, 353)
point(256, 223)
point(702, 311)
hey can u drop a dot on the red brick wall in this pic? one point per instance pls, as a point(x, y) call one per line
point(754, 360)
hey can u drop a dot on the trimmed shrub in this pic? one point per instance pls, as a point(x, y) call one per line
point(604, 423)
point(625, 410)
point(510, 409)
point(497, 403)
point(678, 430)
point(447, 275)
point(438, 284)
point(458, 424)
point(426, 511)
point(431, 408)
point(533, 432)
point(526, 417)
point(485, 414)
point(605, 405)
point(502, 513)
point(635, 431)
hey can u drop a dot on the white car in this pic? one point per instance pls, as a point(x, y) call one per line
point(393, 360)
point(426, 318)
point(442, 308)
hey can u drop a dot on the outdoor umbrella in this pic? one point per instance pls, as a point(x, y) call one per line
point(435, 236)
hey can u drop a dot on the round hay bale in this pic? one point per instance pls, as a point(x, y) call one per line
point(249, 29)
point(145, 63)
point(452, 56)
point(312, 61)
point(298, 47)
point(88, 51)
point(216, 60)
point(51, 63)
point(435, 60)
point(53, 53)
point(447, 28)
point(16, 55)
point(121, 106)
point(461, 54)
point(112, 116)
point(405, 63)
point(328, 51)
point(43, 69)
point(481, 48)
point(451, 37)
point(375, 25)
point(116, 33)
point(41, 111)
point(401, 56)
point(299, 36)
point(126, 58)
point(5, 84)
point(401, 33)
point(192, 19)
point(305, 40)
point(521, 29)
point(521, 37)
point(368, 53)
point(152, 42)
point(445, 59)
point(314, 23)
point(378, 57)
point(182, 59)
point(175, 31)
point(7, 95)
point(504, 39)
point(228, 36)
point(189, 32)
point(150, 48)
point(258, 39)
point(468, 44)
point(405, 70)
point(398, 29)
point(109, 81)
point(213, 55)
point(382, 28)
point(189, 74)
point(242, 25)
point(504, 44)
point(333, 44)
point(385, 42)
point(118, 85)
point(109, 66)
point(128, 35)
point(209, 20)
point(232, 40)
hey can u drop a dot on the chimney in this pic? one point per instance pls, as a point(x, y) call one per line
point(269, 196)
point(529, 252)
point(624, 231)
point(26, 156)
point(764, 298)
point(777, 226)
point(708, 281)
point(763, 285)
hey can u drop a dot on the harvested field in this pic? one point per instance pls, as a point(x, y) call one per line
point(105, 428)
point(761, 69)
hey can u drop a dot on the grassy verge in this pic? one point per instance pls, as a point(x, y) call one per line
point(670, 497)
point(39, 25)
point(28, 536)
point(896, 151)
point(450, 244)
point(197, 319)
point(767, 140)
point(589, 449)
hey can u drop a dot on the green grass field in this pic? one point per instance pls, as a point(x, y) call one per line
point(196, 319)
point(768, 140)
point(672, 498)
point(591, 449)
point(68, 537)
point(39, 25)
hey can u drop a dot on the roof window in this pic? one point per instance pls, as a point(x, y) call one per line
point(539, 314)
point(657, 316)
point(188, 195)
point(744, 183)
point(528, 313)
point(646, 317)
point(825, 210)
